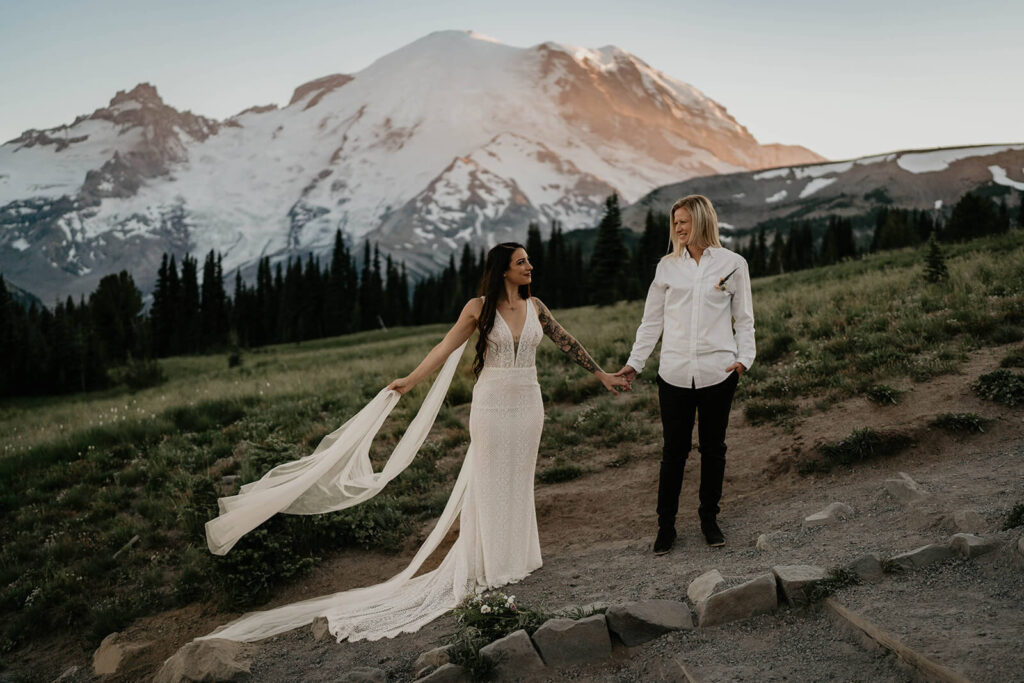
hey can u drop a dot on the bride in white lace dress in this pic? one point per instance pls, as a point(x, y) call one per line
point(493, 495)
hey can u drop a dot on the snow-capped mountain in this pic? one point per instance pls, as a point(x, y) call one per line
point(913, 179)
point(454, 138)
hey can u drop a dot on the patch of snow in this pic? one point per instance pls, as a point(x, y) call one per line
point(815, 185)
point(940, 159)
point(1000, 178)
point(739, 195)
point(773, 173)
point(938, 204)
point(819, 170)
point(777, 197)
point(875, 159)
point(21, 244)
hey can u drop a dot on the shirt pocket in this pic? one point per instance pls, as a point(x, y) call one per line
point(716, 298)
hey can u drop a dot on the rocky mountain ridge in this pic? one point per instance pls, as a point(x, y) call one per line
point(453, 139)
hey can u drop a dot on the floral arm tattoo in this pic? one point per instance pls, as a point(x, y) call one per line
point(563, 340)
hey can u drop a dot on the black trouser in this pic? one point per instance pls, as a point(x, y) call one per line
point(679, 407)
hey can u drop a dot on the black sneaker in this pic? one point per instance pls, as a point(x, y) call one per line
point(663, 543)
point(712, 533)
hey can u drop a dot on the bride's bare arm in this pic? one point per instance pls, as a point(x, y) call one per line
point(461, 331)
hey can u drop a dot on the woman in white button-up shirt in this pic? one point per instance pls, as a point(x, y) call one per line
point(699, 304)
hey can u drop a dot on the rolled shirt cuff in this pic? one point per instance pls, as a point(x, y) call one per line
point(636, 364)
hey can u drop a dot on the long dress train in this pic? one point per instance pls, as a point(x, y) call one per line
point(492, 499)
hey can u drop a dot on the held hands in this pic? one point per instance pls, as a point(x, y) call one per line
point(613, 382)
point(627, 373)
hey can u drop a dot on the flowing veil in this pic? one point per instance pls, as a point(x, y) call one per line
point(338, 475)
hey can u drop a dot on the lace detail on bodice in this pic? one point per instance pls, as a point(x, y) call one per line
point(502, 350)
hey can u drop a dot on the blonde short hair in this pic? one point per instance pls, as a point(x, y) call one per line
point(704, 232)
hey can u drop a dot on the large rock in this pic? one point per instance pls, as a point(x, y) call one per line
point(794, 579)
point(904, 489)
point(213, 659)
point(832, 514)
point(568, 642)
point(320, 629)
point(115, 655)
point(363, 674)
point(969, 522)
point(437, 657)
point(923, 556)
point(969, 545)
point(514, 657)
point(704, 585)
point(1020, 545)
point(638, 622)
point(867, 567)
point(757, 596)
point(447, 673)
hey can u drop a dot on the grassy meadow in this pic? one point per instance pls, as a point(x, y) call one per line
point(84, 475)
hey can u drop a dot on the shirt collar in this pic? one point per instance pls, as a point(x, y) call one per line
point(708, 251)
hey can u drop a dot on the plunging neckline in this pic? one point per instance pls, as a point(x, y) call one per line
point(515, 340)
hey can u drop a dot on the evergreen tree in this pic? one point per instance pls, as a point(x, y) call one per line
point(777, 259)
point(371, 289)
point(116, 308)
point(469, 279)
point(935, 263)
point(973, 216)
point(7, 341)
point(189, 306)
point(607, 261)
point(161, 313)
point(557, 279)
point(654, 243)
point(213, 303)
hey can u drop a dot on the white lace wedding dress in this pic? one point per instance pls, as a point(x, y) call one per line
point(492, 499)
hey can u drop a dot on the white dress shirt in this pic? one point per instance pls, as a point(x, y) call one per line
point(696, 318)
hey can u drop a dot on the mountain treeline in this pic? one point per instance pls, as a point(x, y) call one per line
point(785, 246)
point(108, 338)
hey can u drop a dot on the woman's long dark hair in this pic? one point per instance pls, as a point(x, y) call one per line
point(492, 288)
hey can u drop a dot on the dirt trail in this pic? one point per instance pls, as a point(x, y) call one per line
point(596, 533)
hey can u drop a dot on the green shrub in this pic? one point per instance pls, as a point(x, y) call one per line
point(1001, 386)
point(138, 374)
point(883, 394)
point(775, 348)
point(759, 411)
point(859, 446)
point(575, 390)
point(1014, 359)
point(208, 414)
point(559, 473)
point(960, 423)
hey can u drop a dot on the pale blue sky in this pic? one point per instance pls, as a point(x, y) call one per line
point(843, 78)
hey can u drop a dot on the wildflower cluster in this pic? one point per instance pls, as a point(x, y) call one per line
point(484, 618)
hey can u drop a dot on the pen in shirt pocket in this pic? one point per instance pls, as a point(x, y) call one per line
point(722, 281)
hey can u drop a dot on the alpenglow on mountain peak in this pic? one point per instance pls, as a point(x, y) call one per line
point(451, 140)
